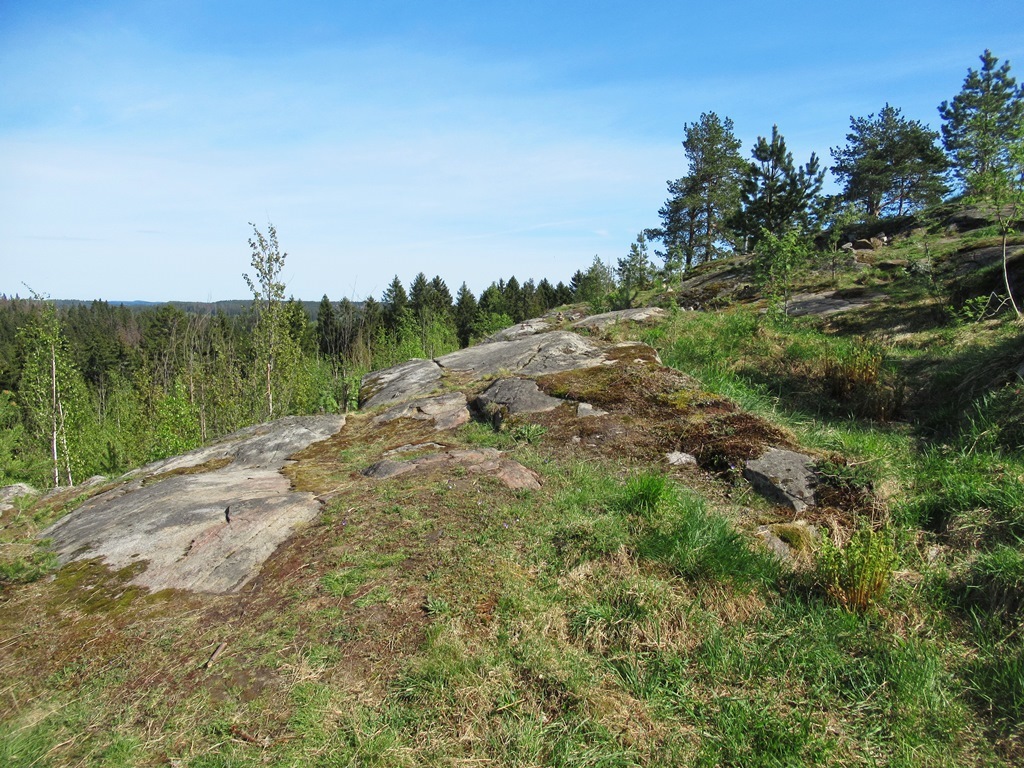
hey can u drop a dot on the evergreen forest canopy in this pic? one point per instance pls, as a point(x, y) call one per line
point(91, 389)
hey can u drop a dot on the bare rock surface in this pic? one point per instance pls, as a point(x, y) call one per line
point(535, 355)
point(205, 521)
point(446, 411)
point(400, 382)
point(786, 477)
point(681, 459)
point(487, 461)
point(522, 330)
point(828, 303)
point(11, 492)
point(607, 319)
point(514, 396)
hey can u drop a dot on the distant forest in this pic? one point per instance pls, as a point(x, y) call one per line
point(94, 388)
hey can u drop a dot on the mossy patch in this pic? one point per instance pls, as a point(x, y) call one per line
point(654, 410)
point(212, 465)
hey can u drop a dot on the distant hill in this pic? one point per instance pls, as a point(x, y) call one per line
point(230, 307)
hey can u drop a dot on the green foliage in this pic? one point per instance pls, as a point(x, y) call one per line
point(14, 464)
point(858, 574)
point(996, 679)
point(994, 582)
point(776, 195)
point(694, 218)
point(28, 567)
point(176, 428)
point(890, 165)
point(853, 375)
point(274, 342)
point(983, 124)
point(52, 392)
point(634, 274)
point(776, 262)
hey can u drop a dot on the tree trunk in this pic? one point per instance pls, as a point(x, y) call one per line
point(1006, 276)
point(53, 416)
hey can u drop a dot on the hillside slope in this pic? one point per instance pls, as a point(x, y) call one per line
point(558, 549)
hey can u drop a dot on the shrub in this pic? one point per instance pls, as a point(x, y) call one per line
point(858, 574)
point(853, 376)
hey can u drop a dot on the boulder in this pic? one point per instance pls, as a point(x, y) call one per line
point(521, 330)
point(205, 521)
point(869, 243)
point(680, 459)
point(828, 303)
point(786, 477)
point(514, 396)
point(966, 219)
point(400, 382)
point(892, 265)
point(11, 492)
point(789, 541)
point(446, 411)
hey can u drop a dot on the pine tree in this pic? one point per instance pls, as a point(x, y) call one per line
point(984, 135)
point(776, 195)
point(982, 123)
point(395, 306)
point(327, 336)
point(890, 165)
point(633, 272)
point(701, 203)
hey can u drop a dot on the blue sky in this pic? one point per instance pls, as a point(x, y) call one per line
point(471, 140)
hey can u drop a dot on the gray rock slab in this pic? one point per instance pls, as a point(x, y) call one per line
point(414, 378)
point(521, 330)
point(487, 461)
point(516, 396)
point(11, 492)
point(828, 303)
point(786, 477)
point(607, 319)
point(586, 410)
point(177, 525)
point(445, 411)
point(536, 355)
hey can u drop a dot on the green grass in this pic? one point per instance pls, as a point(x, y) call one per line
point(624, 614)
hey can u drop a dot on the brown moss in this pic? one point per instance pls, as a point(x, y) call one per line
point(211, 465)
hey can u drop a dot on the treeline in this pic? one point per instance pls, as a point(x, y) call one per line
point(97, 388)
point(889, 166)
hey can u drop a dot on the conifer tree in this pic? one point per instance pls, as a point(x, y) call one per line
point(467, 314)
point(984, 135)
point(694, 218)
point(327, 335)
point(634, 273)
point(395, 306)
point(982, 123)
point(890, 165)
point(777, 195)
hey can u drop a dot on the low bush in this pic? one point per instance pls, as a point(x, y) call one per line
point(858, 574)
